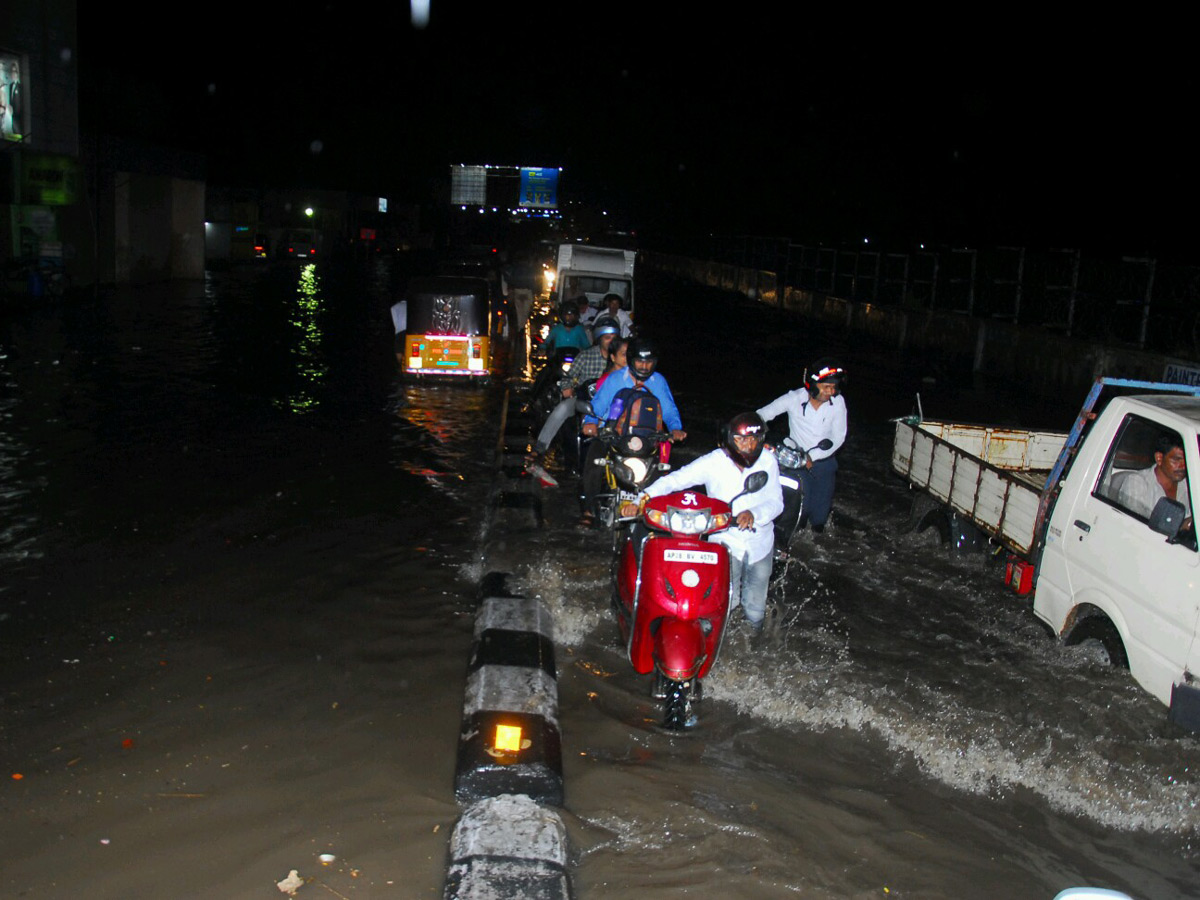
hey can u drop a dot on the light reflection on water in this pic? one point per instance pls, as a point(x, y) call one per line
point(307, 351)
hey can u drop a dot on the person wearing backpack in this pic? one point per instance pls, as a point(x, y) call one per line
point(640, 372)
point(639, 375)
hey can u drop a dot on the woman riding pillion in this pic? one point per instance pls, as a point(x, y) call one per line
point(816, 411)
point(723, 473)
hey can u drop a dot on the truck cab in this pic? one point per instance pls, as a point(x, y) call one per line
point(1109, 574)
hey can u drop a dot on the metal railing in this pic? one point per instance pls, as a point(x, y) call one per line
point(1131, 301)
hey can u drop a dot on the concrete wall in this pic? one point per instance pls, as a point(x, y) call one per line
point(158, 229)
point(1041, 358)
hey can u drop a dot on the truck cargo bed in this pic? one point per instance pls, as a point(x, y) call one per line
point(994, 476)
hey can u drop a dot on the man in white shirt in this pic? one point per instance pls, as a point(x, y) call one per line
point(613, 310)
point(815, 411)
point(751, 540)
point(1139, 491)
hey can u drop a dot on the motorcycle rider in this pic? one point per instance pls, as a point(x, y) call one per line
point(640, 372)
point(815, 411)
point(567, 332)
point(723, 472)
point(587, 366)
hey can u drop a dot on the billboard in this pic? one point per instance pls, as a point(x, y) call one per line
point(14, 106)
point(468, 185)
point(539, 188)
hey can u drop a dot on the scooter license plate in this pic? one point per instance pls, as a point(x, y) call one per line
point(695, 557)
point(789, 482)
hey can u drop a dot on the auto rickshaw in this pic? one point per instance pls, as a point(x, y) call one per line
point(449, 329)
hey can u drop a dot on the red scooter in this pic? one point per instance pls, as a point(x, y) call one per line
point(672, 595)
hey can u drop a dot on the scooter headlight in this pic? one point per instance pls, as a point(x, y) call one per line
point(688, 521)
point(789, 457)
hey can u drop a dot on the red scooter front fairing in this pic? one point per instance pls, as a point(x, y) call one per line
point(673, 588)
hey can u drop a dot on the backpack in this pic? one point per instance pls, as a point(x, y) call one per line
point(636, 411)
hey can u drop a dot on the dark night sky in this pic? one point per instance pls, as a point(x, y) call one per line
point(822, 127)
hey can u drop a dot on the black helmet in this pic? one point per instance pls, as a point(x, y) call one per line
point(642, 350)
point(747, 424)
point(568, 308)
point(602, 326)
point(824, 371)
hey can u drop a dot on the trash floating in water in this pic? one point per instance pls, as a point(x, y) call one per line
point(326, 859)
point(543, 477)
point(291, 884)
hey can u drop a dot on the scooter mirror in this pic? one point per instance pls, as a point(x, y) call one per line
point(825, 444)
point(755, 481)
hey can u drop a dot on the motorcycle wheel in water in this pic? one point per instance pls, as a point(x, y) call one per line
point(671, 596)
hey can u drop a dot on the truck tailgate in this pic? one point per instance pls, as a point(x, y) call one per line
point(994, 476)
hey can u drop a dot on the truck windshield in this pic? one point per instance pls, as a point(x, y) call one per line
point(594, 288)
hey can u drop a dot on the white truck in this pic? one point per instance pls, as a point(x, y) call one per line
point(595, 272)
point(1076, 511)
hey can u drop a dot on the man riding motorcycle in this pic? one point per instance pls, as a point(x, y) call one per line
point(640, 373)
point(815, 412)
point(587, 366)
point(723, 473)
point(567, 332)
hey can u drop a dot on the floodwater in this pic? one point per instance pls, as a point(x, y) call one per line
point(240, 564)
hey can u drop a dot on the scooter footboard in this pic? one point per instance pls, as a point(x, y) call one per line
point(679, 648)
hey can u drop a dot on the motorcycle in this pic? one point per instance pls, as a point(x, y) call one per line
point(631, 464)
point(791, 460)
point(544, 394)
point(671, 595)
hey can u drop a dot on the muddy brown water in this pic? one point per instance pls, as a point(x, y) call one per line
point(239, 573)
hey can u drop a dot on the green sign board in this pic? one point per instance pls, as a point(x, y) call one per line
point(49, 180)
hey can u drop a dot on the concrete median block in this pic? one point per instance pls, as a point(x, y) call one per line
point(510, 740)
point(508, 848)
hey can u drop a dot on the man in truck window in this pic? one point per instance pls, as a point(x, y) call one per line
point(1139, 490)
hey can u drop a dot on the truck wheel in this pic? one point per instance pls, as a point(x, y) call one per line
point(1099, 633)
point(928, 513)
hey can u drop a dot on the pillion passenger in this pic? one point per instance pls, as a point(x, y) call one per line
point(587, 366)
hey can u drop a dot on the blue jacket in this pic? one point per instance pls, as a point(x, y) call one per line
point(561, 336)
point(656, 384)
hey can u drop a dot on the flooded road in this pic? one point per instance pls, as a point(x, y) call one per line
point(239, 570)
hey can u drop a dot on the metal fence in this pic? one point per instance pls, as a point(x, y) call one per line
point(1131, 301)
